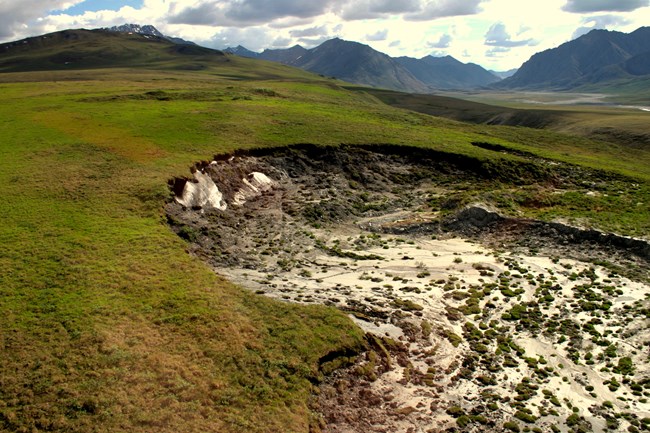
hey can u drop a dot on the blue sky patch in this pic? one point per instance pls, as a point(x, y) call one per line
point(101, 5)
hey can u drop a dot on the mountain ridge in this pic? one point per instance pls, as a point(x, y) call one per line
point(599, 60)
point(147, 30)
point(99, 48)
point(598, 57)
point(361, 64)
point(447, 72)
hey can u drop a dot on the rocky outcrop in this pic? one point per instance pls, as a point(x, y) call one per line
point(474, 216)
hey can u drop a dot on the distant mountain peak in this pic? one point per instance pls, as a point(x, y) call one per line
point(343, 42)
point(448, 72)
point(597, 57)
point(147, 30)
point(361, 64)
point(242, 51)
point(136, 28)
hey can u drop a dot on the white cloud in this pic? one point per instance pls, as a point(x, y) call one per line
point(245, 13)
point(282, 43)
point(433, 9)
point(313, 42)
point(414, 28)
point(253, 38)
point(256, 12)
point(600, 22)
point(582, 6)
point(371, 9)
point(497, 52)
point(204, 14)
point(381, 35)
point(443, 42)
point(498, 36)
point(18, 15)
point(290, 22)
point(308, 32)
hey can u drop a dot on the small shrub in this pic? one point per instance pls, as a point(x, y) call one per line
point(453, 338)
point(525, 417)
point(511, 426)
point(463, 421)
point(625, 366)
point(455, 411)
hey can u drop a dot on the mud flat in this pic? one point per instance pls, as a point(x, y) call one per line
point(474, 321)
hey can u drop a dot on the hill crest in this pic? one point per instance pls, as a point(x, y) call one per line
point(147, 29)
point(93, 49)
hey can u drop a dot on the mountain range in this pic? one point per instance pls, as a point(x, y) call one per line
point(598, 60)
point(361, 64)
point(599, 57)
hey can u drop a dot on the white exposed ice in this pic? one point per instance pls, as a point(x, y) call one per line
point(203, 193)
point(255, 184)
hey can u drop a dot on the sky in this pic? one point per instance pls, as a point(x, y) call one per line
point(497, 34)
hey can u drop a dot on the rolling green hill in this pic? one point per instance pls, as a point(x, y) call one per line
point(85, 49)
point(610, 124)
point(108, 324)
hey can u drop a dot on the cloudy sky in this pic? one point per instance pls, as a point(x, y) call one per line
point(497, 34)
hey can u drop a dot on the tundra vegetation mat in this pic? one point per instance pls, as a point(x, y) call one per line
point(109, 325)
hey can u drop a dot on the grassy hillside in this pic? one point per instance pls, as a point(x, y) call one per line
point(624, 126)
point(83, 49)
point(108, 324)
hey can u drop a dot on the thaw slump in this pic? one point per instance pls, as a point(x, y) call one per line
point(476, 322)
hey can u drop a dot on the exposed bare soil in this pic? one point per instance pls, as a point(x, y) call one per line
point(475, 321)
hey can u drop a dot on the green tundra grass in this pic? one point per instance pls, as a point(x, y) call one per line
point(108, 325)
